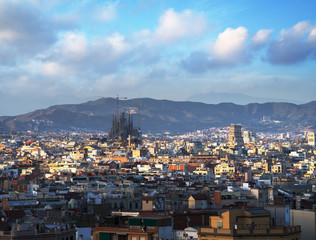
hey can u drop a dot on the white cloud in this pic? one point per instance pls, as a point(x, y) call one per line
point(7, 35)
point(293, 46)
point(24, 32)
point(118, 43)
point(74, 45)
point(124, 81)
point(312, 36)
point(175, 26)
point(261, 38)
point(74, 53)
point(230, 46)
point(107, 12)
point(53, 69)
point(298, 29)
point(229, 49)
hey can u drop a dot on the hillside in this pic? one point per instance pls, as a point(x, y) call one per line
point(164, 115)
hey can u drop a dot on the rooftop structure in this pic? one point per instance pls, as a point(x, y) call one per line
point(246, 224)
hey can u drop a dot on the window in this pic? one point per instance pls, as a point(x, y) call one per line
point(105, 236)
point(142, 238)
point(134, 238)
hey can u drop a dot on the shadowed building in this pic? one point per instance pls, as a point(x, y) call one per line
point(122, 128)
point(235, 138)
point(137, 228)
point(38, 231)
point(246, 224)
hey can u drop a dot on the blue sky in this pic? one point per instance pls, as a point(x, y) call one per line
point(55, 52)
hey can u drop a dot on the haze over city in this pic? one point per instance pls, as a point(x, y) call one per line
point(60, 52)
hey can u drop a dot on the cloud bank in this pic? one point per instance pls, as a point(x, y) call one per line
point(232, 47)
point(43, 56)
point(294, 45)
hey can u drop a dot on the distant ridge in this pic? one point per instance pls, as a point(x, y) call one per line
point(237, 98)
point(164, 115)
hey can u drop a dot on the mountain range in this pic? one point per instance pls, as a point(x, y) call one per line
point(237, 98)
point(160, 115)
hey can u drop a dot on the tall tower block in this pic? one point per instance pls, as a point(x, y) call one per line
point(235, 138)
point(311, 139)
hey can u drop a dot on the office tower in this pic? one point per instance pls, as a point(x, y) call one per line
point(235, 138)
point(311, 138)
point(250, 137)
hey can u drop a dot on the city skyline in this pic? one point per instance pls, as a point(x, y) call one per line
point(75, 51)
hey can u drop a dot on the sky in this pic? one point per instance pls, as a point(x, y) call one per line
point(65, 51)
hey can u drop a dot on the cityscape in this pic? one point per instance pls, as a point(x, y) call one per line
point(126, 184)
point(157, 120)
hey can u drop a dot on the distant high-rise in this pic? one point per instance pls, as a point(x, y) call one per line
point(311, 139)
point(250, 137)
point(235, 138)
